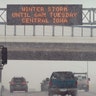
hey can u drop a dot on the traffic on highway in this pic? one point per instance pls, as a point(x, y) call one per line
point(58, 83)
point(47, 48)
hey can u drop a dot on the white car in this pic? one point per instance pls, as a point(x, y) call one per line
point(82, 81)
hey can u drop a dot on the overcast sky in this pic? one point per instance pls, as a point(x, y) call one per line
point(85, 3)
point(36, 71)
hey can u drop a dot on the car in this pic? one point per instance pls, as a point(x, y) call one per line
point(45, 84)
point(82, 81)
point(62, 83)
point(18, 84)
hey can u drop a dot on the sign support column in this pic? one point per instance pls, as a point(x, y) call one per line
point(1, 67)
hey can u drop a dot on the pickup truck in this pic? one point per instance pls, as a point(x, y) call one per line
point(62, 83)
point(82, 81)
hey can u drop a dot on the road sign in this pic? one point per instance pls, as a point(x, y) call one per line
point(44, 14)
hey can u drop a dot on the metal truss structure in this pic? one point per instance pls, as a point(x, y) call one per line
point(88, 21)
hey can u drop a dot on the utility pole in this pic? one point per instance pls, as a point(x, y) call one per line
point(87, 69)
point(1, 67)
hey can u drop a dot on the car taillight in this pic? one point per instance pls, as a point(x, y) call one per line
point(50, 83)
point(76, 82)
point(12, 83)
point(23, 83)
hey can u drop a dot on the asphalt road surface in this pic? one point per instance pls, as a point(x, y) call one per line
point(80, 93)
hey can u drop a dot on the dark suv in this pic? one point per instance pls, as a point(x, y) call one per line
point(18, 84)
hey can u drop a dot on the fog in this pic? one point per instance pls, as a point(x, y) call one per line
point(35, 71)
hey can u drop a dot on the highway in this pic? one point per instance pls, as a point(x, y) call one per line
point(38, 93)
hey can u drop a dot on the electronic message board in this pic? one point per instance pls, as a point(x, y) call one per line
point(44, 14)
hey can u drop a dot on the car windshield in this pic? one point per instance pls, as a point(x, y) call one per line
point(18, 79)
point(62, 75)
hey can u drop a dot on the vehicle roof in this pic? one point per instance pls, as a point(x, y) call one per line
point(18, 78)
point(62, 72)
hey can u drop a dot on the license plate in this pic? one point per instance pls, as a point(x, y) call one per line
point(62, 89)
point(17, 85)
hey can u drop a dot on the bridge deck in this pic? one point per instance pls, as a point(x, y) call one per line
point(50, 51)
